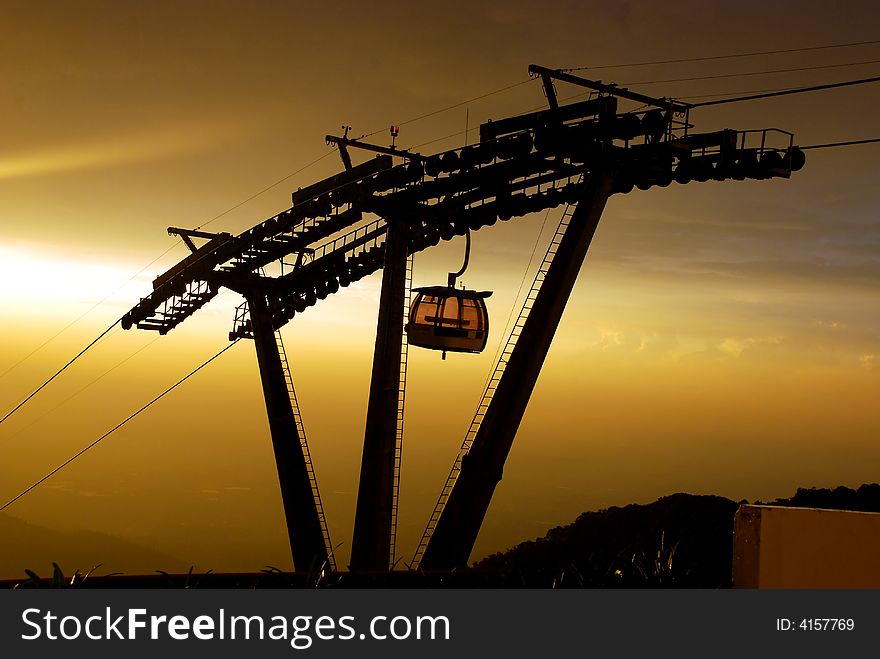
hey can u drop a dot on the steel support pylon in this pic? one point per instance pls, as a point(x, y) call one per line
point(300, 511)
point(371, 542)
point(453, 539)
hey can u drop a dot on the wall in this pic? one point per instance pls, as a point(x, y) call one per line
point(779, 547)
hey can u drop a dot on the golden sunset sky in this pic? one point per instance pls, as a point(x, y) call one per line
point(723, 337)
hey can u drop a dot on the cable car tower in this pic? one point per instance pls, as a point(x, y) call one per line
point(374, 216)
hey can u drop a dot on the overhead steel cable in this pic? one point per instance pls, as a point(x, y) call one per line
point(61, 370)
point(721, 57)
point(831, 145)
point(128, 281)
point(749, 95)
point(86, 312)
point(755, 73)
point(115, 428)
point(375, 132)
point(742, 92)
point(455, 105)
point(785, 92)
point(315, 161)
point(797, 90)
point(519, 291)
point(263, 191)
point(84, 387)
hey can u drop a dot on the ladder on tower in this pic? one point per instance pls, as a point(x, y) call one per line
point(300, 429)
point(495, 377)
point(401, 403)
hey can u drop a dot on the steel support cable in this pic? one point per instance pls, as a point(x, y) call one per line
point(203, 257)
point(342, 185)
point(776, 92)
point(786, 92)
point(403, 123)
point(446, 137)
point(742, 92)
point(204, 224)
point(338, 187)
point(754, 73)
point(761, 94)
point(86, 312)
point(141, 271)
point(720, 57)
point(500, 365)
point(757, 94)
point(264, 190)
point(115, 428)
point(455, 105)
point(86, 386)
point(375, 132)
point(245, 201)
point(610, 66)
point(236, 206)
point(747, 95)
point(61, 370)
point(836, 144)
point(522, 284)
point(497, 91)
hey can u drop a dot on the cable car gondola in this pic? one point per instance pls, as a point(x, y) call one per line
point(448, 318)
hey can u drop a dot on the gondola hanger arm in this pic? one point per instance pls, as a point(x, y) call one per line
point(467, 255)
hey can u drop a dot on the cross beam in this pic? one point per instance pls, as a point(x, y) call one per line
point(344, 142)
point(614, 90)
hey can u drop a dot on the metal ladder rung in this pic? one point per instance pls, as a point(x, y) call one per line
point(310, 471)
point(495, 378)
point(401, 404)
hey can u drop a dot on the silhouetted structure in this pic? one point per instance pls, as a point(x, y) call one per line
point(679, 541)
point(375, 215)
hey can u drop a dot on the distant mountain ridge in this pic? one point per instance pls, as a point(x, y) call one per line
point(680, 540)
point(26, 545)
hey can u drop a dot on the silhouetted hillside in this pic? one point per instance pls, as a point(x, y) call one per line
point(681, 540)
point(866, 498)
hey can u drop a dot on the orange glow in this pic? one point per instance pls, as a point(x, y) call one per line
point(710, 320)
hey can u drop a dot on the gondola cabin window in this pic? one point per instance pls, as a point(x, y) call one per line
point(449, 319)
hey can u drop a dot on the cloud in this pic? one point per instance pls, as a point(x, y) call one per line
point(735, 346)
point(122, 149)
